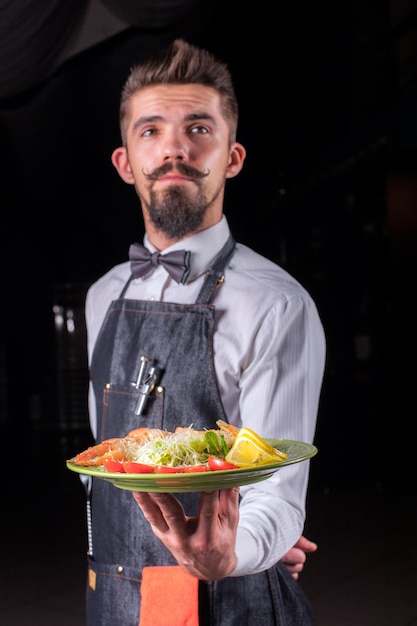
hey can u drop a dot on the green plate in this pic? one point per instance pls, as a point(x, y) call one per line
point(202, 481)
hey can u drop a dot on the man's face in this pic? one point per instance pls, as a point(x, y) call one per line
point(179, 156)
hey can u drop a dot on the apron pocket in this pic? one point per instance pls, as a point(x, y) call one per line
point(119, 405)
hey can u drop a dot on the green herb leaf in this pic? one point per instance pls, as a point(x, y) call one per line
point(212, 441)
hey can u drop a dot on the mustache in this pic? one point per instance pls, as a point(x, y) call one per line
point(182, 168)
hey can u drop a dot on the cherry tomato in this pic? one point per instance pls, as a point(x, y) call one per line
point(130, 467)
point(113, 466)
point(215, 463)
point(165, 469)
point(188, 469)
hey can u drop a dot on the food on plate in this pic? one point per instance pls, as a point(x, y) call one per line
point(116, 448)
point(151, 450)
point(250, 449)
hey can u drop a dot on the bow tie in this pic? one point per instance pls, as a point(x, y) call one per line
point(176, 263)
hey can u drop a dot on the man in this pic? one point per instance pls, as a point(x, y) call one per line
point(233, 337)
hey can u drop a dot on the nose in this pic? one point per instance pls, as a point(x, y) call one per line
point(175, 146)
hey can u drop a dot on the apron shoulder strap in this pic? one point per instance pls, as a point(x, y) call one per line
point(122, 293)
point(215, 274)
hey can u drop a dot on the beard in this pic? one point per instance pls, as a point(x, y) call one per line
point(175, 214)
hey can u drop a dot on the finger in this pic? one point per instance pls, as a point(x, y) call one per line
point(172, 511)
point(229, 505)
point(294, 567)
point(159, 509)
point(220, 506)
point(150, 510)
point(208, 507)
point(306, 544)
point(295, 555)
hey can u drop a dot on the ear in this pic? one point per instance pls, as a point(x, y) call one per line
point(236, 159)
point(120, 161)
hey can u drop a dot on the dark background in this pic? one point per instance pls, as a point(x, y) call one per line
point(328, 113)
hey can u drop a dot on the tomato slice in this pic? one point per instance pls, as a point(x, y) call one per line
point(188, 469)
point(113, 466)
point(216, 464)
point(130, 467)
point(165, 469)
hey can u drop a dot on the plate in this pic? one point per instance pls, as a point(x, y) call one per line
point(202, 481)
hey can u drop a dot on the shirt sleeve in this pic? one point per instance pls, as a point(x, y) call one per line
point(279, 398)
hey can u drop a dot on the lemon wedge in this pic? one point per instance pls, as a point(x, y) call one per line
point(249, 450)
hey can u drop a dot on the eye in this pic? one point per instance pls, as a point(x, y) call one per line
point(148, 132)
point(199, 130)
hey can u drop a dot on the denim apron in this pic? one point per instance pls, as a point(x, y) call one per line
point(179, 339)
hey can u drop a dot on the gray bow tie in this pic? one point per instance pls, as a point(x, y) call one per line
point(176, 263)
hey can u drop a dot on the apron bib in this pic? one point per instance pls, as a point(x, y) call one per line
point(178, 339)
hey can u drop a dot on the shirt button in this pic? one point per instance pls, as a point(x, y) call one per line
point(119, 569)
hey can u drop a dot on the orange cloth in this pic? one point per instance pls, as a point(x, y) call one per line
point(169, 597)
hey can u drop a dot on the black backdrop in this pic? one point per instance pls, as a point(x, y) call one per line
point(312, 196)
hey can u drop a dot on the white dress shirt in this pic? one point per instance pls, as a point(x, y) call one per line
point(269, 351)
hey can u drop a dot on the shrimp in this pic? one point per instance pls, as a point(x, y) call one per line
point(115, 448)
point(94, 455)
point(229, 428)
point(145, 434)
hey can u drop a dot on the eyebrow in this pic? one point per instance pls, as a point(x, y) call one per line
point(191, 117)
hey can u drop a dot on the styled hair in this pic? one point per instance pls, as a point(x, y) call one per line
point(181, 64)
